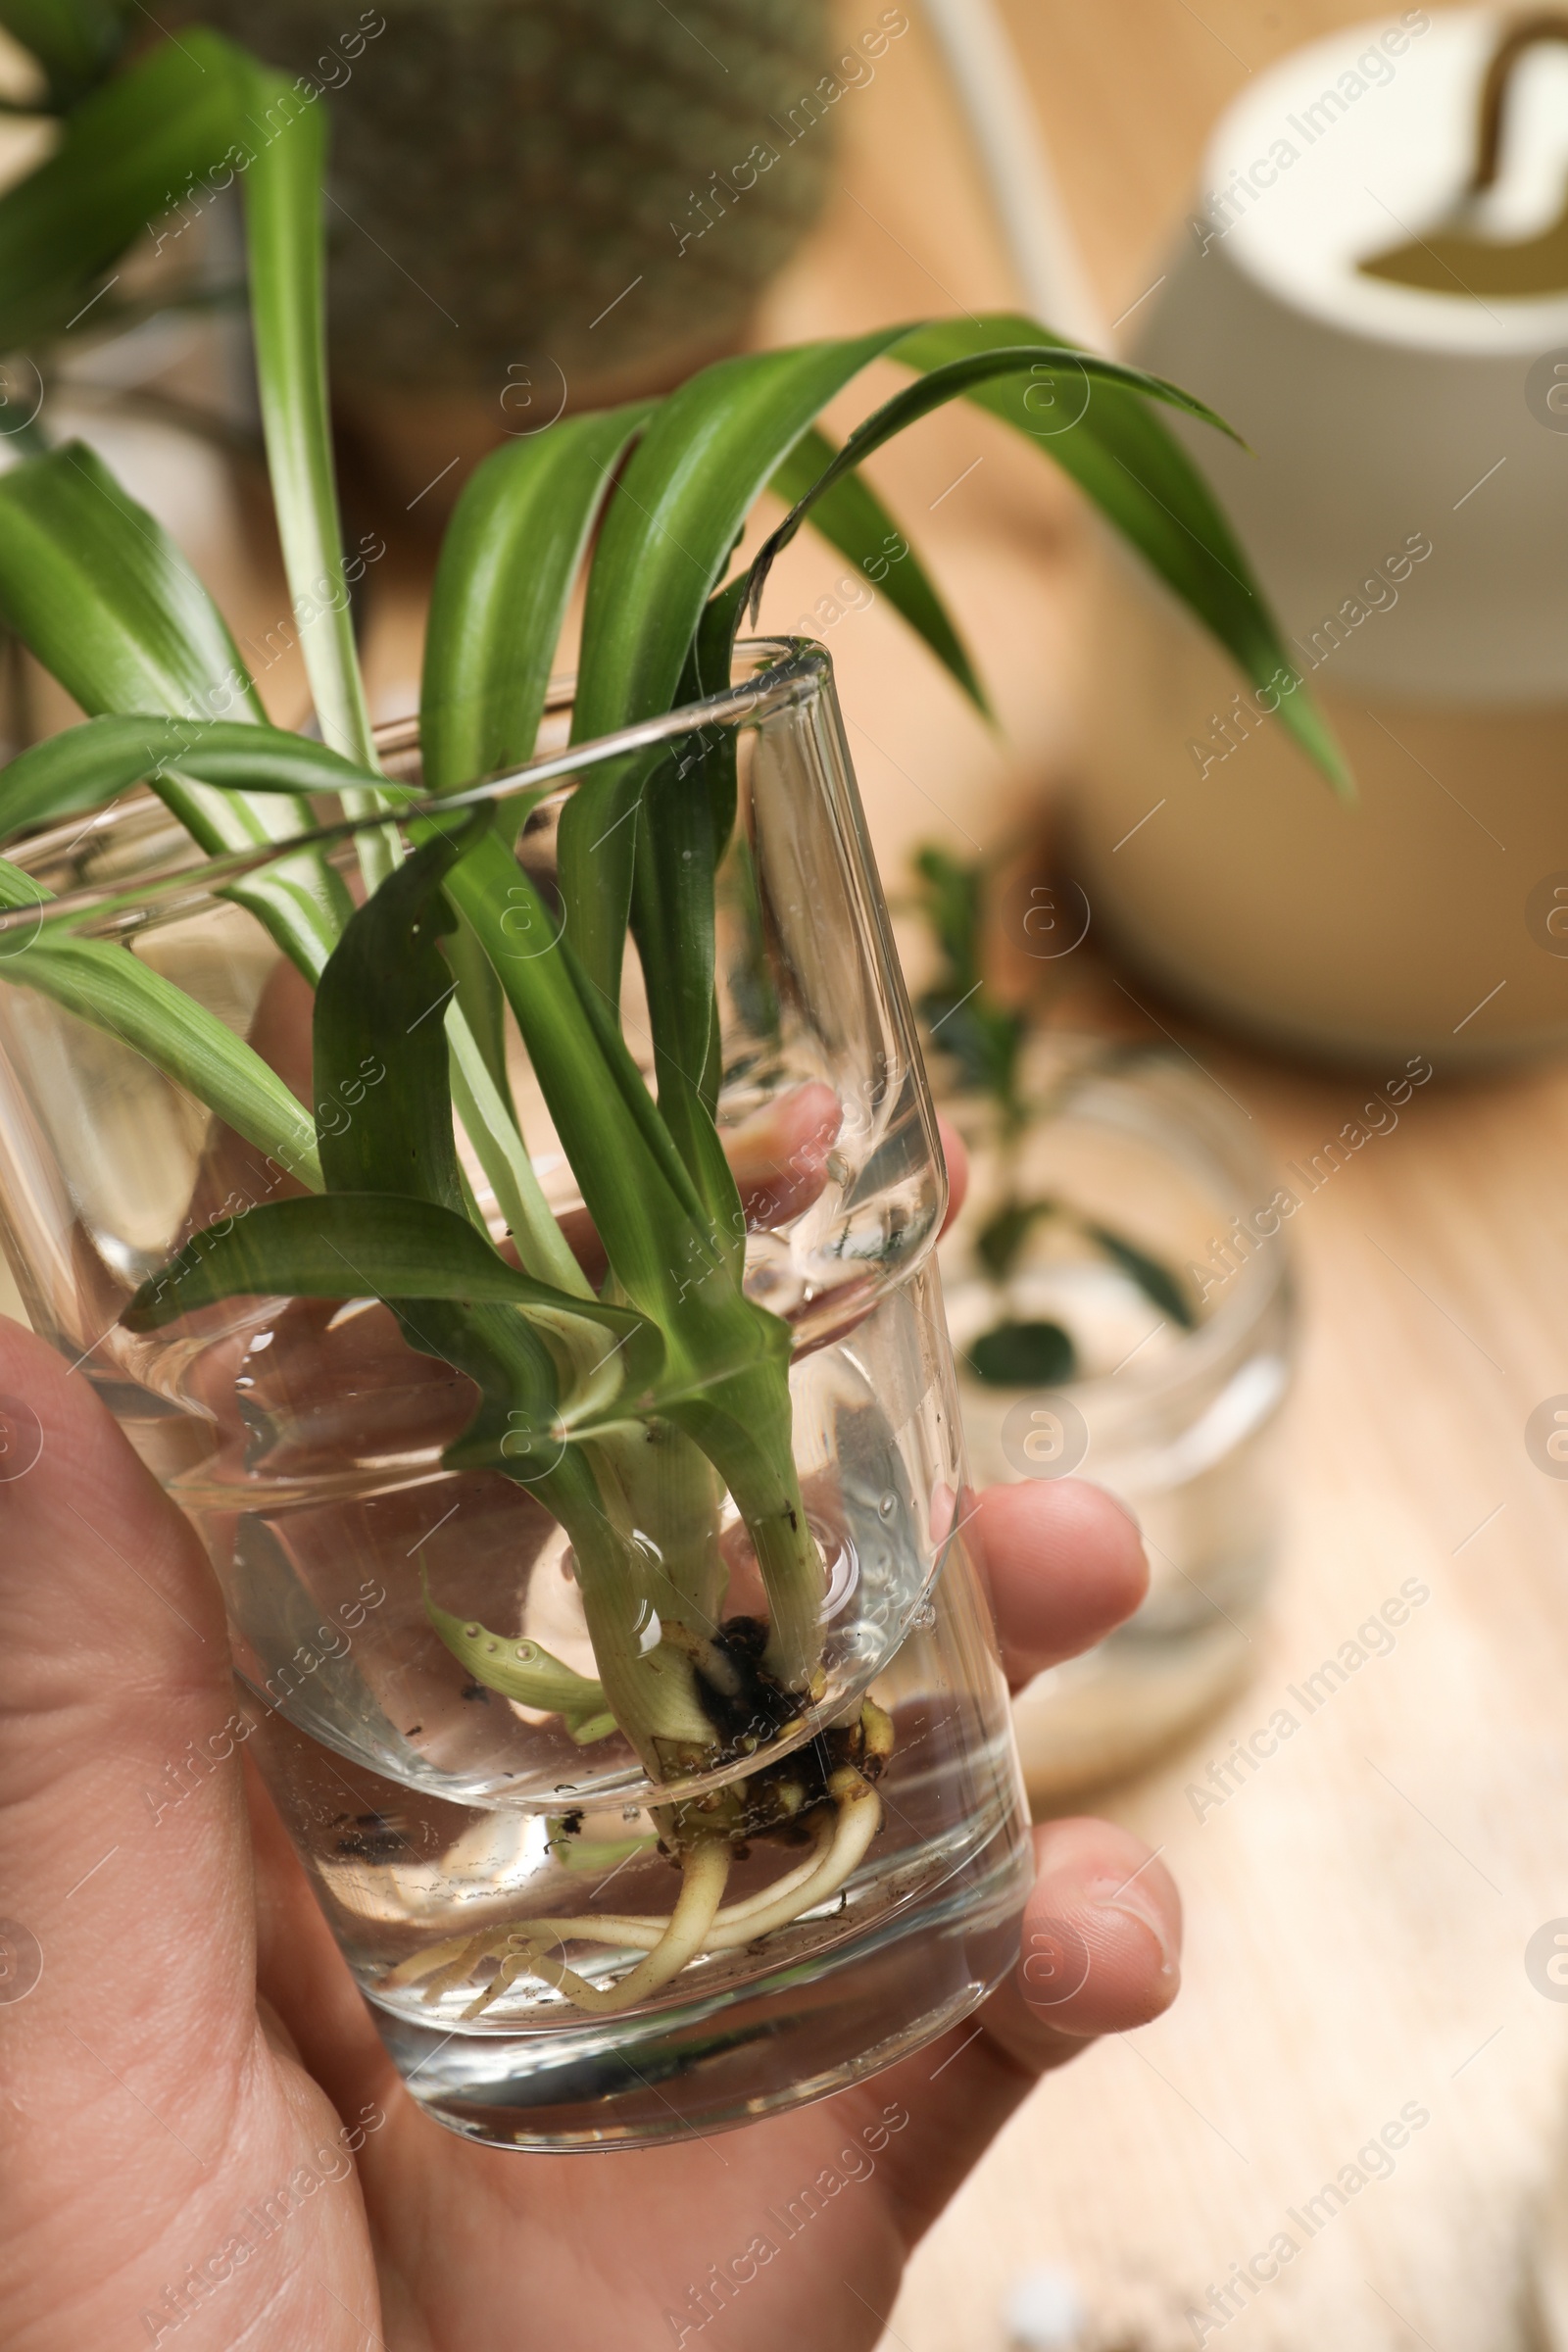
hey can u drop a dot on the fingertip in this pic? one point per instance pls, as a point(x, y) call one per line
point(1066, 1564)
point(1102, 1931)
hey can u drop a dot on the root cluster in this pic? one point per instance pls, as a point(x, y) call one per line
point(825, 1793)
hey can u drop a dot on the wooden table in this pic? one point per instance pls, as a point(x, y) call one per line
point(1359, 1911)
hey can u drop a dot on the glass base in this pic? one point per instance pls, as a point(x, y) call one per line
point(797, 2036)
point(432, 1901)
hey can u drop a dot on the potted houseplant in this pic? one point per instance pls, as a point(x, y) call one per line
point(488, 1169)
point(584, 201)
point(517, 216)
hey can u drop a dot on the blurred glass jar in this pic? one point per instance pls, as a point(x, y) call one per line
point(1119, 1296)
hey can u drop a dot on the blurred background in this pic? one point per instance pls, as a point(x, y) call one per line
point(1264, 1092)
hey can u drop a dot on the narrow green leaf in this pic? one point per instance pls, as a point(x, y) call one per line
point(353, 1246)
point(75, 41)
point(380, 1003)
point(1123, 458)
point(490, 1123)
point(284, 201)
point(454, 1297)
point(508, 560)
point(510, 554)
point(110, 988)
point(130, 151)
point(525, 1671)
point(853, 518)
point(1157, 1282)
point(1029, 362)
point(379, 1007)
point(644, 1204)
point(710, 450)
point(84, 767)
point(1003, 1234)
point(685, 818)
point(94, 586)
point(482, 1008)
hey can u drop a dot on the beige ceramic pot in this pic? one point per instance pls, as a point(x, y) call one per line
point(1403, 514)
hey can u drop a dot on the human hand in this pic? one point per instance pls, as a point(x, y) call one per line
point(205, 2142)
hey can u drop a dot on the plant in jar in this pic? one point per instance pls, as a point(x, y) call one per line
point(624, 1374)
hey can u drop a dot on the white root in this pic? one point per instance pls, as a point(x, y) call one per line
point(641, 1931)
point(696, 1926)
point(859, 1817)
point(636, 1931)
point(705, 1868)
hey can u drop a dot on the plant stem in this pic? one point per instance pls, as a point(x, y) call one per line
point(542, 1248)
point(745, 1426)
point(674, 1496)
point(652, 1690)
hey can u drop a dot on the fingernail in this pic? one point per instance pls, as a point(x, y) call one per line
point(1135, 1902)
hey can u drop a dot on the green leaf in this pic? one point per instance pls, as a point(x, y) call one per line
point(708, 453)
point(94, 586)
point(75, 41)
point(952, 902)
point(673, 921)
point(1123, 458)
point(1157, 1283)
point(853, 518)
point(525, 1671)
point(508, 560)
point(648, 1213)
point(379, 1003)
point(991, 355)
point(108, 986)
point(84, 767)
point(491, 1125)
point(284, 203)
point(998, 1242)
point(455, 1298)
point(130, 151)
point(1022, 1355)
point(353, 1246)
point(685, 818)
point(483, 1010)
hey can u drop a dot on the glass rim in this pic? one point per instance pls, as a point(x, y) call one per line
point(792, 669)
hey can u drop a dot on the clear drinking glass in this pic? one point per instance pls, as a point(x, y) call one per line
point(307, 1440)
point(1150, 1232)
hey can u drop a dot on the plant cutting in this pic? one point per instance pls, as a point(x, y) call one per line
point(985, 1041)
point(656, 1471)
